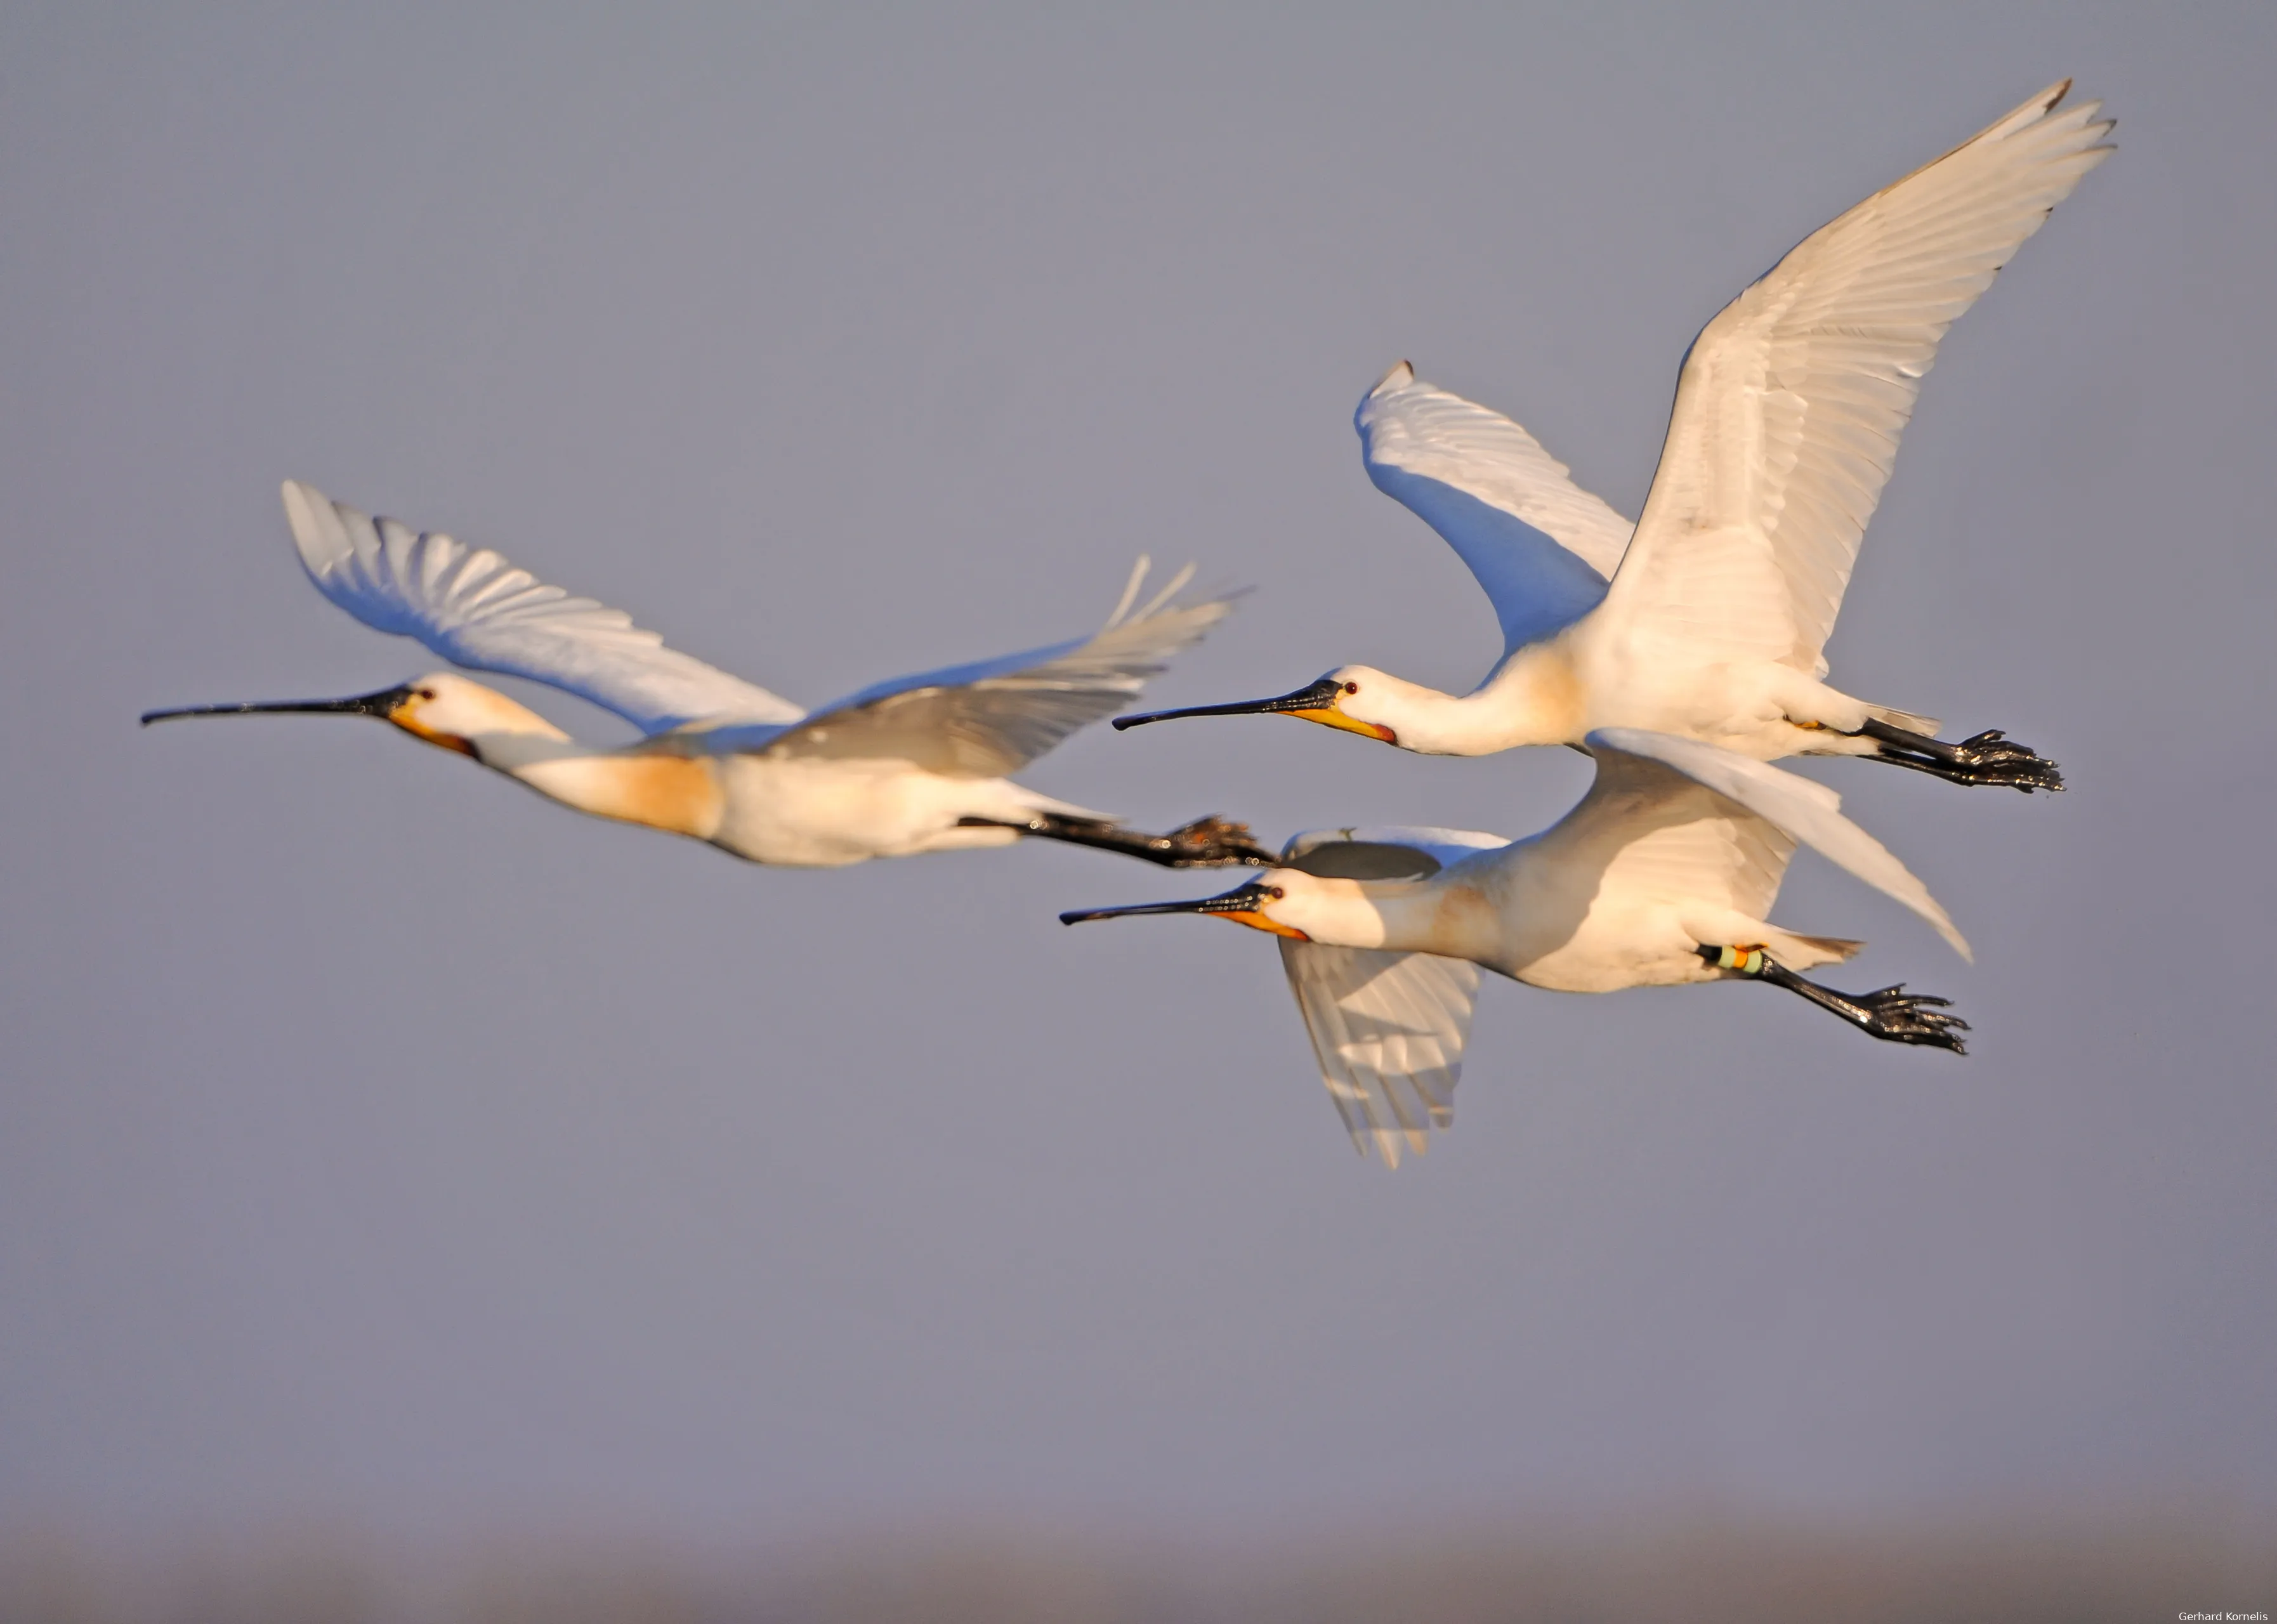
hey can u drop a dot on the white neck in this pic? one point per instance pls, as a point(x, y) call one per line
point(658, 790)
point(1399, 916)
point(1536, 695)
point(1531, 698)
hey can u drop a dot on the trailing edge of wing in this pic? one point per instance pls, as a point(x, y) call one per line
point(993, 716)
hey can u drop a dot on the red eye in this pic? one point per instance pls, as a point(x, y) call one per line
point(426, 693)
point(1351, 688)
point(1275, 892)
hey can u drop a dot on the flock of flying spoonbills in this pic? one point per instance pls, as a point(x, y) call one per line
point(1681, 651)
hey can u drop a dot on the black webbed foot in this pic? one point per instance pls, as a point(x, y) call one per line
point(1217, 843)
point(1896, 1016)
point(1988, 758)
point(1890, 1013)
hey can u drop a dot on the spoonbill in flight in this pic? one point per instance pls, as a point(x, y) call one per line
point(1662, 874)
point(1707, 622)
point(916, 764)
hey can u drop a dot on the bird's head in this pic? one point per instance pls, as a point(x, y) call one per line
point(448, 710)
point(1356, 698)
point(1286, 902)
point(442, 708)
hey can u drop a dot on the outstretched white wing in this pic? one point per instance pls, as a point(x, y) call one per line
point(1789, 406)
point(991, 718)
point(1388, 1029)
point(1542, 547)
point(474, 608)
point(1800, 807)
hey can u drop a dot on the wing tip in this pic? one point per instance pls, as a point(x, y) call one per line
point(1168, 626)
point(1401, 375)
point(2031, 114)
point(1388, 1142)
point(2085, 120)
point(1214, 604)
point(301, 499)
point(318, 532)
point(2087, 115)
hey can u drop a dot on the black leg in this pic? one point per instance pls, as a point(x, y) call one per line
point(1988, 758)
point(1891, 1014)
point(1205, 843)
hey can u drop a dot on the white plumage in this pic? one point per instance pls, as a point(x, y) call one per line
point(1541, 546)
point(1674, 857)
point(1388, 1031)
point(913, 765)
point(1789, 407)
point(1709, 620)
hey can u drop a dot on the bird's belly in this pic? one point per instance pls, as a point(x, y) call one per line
point(1610, 949)
point(1724, 703)
point(825, 814)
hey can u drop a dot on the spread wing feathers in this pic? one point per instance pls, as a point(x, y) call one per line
point(476, 609)
point(988, 719)
point(1648, 834)
point(1542, 547)
point(1798, 808)
point(1789, 406)
point(1384, 851)
point(1389, 1031)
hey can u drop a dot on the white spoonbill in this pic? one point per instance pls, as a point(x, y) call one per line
point(1661, 875)
point(913, 765)
point(1709, 622)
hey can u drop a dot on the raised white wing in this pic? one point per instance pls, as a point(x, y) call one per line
point(1789, 406)
point(1389, 1031)
point(1798, 808)
point(475, 609)
point(1542, 547)
point(990, 718)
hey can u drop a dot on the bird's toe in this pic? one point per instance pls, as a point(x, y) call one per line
point(1899, 1016)
point(1217, 843)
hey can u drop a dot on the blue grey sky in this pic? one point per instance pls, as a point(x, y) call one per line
point(382, 1145)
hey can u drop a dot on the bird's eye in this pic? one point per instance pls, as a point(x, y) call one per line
point(1275, 892)
point(426, 693)
point(1351, 688)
